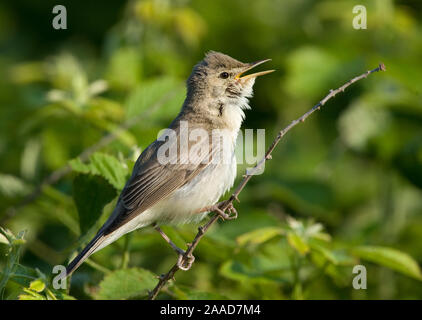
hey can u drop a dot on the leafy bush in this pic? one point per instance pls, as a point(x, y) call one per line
point(343, 189)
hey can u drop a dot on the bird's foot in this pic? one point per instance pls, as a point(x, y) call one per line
point(167, 239)
point(185, 262)
point(232, 212)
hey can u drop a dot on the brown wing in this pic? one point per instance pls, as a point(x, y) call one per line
point(152, 181)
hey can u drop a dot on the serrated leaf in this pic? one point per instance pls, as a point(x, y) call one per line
point(111, 169)
point(298, 243)
point(390, 258)
point(259, 236)
point(91, 194)
point(78, 166)
point(107, 166)
point(127, 283)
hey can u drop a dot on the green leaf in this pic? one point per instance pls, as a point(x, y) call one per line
point(3, 239)
point(63, 296)
point(238, 271)
point(148, 94)
point(127, 283)
point(336, 257)
point(325, 252)
point(125, 68)
point(107, 166)
point(37, 285)
point(12, 186)
point(30, 159)
point(259, 236)
point(12, 256)
point(22, 275)
point(91, 194)
point(6, 236)
point(298, 243)
point(31, 295)
point(18, 242)
point(170, 106)
point(409, 161)
point(390, 258)
point(309, 69)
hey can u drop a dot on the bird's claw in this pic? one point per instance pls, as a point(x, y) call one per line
point(230, 208)
point(185, 262)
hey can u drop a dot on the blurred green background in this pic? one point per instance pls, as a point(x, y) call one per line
point(344, 188)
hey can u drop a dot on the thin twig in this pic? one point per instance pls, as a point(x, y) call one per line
point(202, 230)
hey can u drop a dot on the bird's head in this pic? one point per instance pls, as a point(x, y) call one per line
point(220, 77)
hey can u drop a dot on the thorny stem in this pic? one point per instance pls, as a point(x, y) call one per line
point(202, 230)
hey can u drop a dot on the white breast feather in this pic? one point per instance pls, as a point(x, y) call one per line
point(204, 190)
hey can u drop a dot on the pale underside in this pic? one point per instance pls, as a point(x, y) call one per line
point(175, 192)
point(181, 205)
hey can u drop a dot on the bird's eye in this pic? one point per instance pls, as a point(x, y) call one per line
point(224, 75)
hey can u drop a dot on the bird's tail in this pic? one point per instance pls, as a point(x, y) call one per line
point(85, 253)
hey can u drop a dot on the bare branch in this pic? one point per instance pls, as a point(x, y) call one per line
point(202, 230)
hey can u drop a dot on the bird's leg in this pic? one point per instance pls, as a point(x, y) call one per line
point(217, 208)
point(184, 263)
point(167, 239)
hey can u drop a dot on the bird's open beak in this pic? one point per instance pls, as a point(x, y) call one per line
point(253, 75)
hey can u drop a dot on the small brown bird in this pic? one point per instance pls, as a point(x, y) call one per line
point(180, 177)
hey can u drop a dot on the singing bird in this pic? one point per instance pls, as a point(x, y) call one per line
point(185, 187)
